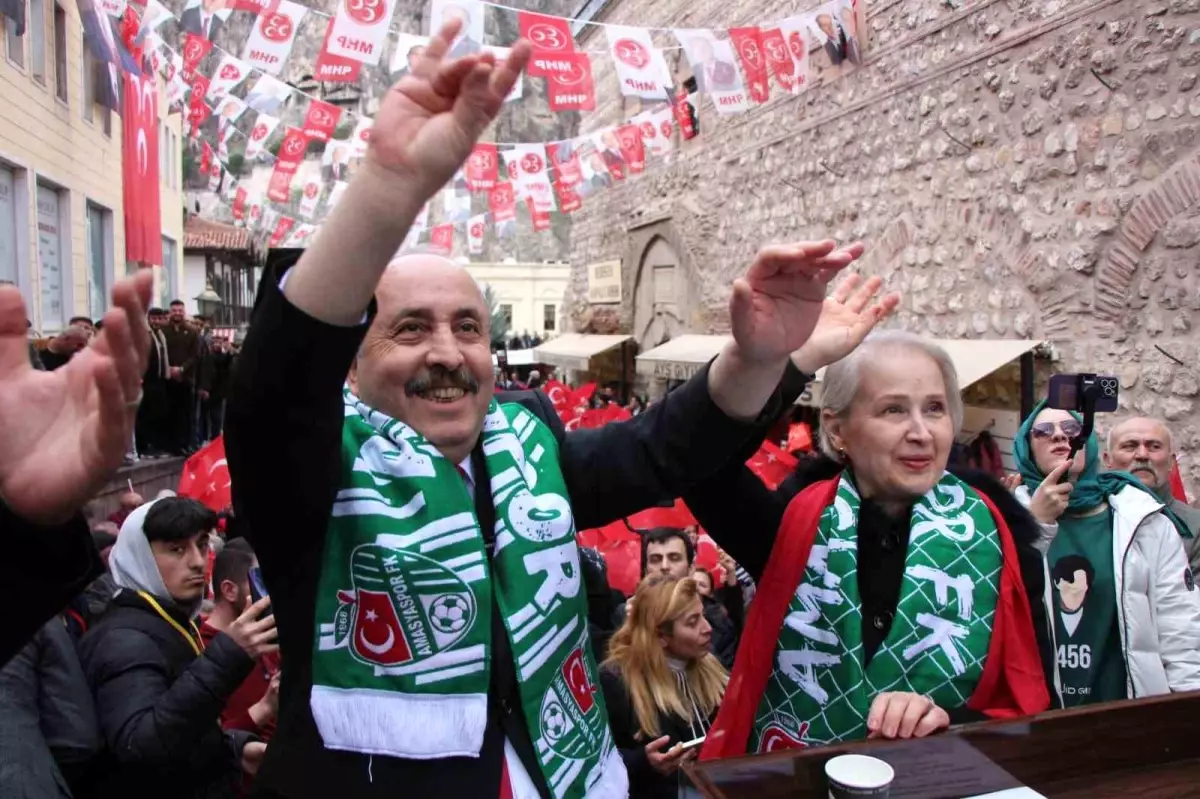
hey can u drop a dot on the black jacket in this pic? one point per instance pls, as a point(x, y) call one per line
point(159, 705)
point(644, 781)
point(46, 567)
point(724, 611)
point(743, 516)
point(283, 439)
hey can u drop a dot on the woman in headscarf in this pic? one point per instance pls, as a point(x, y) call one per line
point(894, 597)
point(661, 684)
point(1125, 612)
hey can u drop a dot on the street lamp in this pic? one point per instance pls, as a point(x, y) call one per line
point(209, 302)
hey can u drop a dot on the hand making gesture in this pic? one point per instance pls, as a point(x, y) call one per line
point(63, 433)
point(846, 317)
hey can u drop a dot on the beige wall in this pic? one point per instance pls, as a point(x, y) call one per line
point(528, 288)
point(45, 140)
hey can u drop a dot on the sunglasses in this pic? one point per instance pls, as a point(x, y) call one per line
point(1069, 427)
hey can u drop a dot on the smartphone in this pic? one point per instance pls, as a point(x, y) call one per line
point(258, 589)
point(1067, 392)
point(692, 744)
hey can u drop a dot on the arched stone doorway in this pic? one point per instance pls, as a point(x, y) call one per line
point(664, 295)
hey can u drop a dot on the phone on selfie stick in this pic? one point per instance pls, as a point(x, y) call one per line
point(1086, 394)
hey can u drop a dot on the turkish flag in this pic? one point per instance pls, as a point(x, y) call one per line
point(550, 37)
point(598, 417)
point(321, 120)
point(334, 68)
point(633, 149)
point(771, 464)
point(1177, 489)
point(749, 45)
point(378, 636)
point(139, 171)
point(684, 114)
point(195, 47)
point(574, 672)
point(799, 438)
point(206, 478)
point(482, 168)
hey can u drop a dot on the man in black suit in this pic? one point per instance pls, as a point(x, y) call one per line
point(201, 18)
point(835, 39)
point(412, 335)
point(464, 45)
point(712, 74)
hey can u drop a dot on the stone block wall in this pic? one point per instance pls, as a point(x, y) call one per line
point(1023, 169)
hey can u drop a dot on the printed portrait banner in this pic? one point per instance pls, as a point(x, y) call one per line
point(359, 29)
point(332, 68)
point(565, 160)
point(502, 202)
point(540, 219)
point(301, 235)
point(407, 44)
point(268, 94)
point(470, 37)
point(657, 128)
point(335, 194)
point(714, 68)
point(153, 17)
point(309, 198)
point(271, 38)
point(239, 204)
point(475, 230)
point(321, 120)
point(748, 44)
point(230, 109)
point(482, 168)
point(279, 189)
point(641, 68)
point(569, 82)
point(550, 37)
point(569, 200)
point(264, 126)
point(531, 178)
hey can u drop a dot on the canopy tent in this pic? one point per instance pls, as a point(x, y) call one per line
point(973, 358)
point(575, 350)
point(517, 358)
point(681, 357)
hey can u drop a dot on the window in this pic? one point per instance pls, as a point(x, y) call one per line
point(14, 45)
point(8, 226)
point(169, 291)
point(89, 84)
point(60, 52)
point(548, 317)
point(163, 144)
point(506, 315)
point(99, 258)
point(35, 31)
point(50, 257)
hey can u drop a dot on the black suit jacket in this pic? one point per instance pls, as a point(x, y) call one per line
point(283, 438)
point(191, 23)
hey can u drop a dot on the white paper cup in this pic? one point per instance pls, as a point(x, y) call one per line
point(858, 776)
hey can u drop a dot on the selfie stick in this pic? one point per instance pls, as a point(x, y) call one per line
point(1090, 390)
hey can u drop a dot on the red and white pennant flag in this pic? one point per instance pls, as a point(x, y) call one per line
point(272, 36)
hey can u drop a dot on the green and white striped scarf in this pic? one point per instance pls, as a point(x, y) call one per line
point(403, 653)
point(819, 691)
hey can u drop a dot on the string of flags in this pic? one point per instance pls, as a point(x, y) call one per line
point(736, 68)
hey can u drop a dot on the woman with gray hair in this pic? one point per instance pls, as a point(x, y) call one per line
point(894, 597)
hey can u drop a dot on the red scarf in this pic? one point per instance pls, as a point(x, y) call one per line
point(1011, 685)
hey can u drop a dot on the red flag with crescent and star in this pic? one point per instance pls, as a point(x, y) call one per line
point(139, 171)
point(206, 478)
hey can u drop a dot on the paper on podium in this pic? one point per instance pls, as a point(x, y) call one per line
point(1011, 793)
point(946, 767)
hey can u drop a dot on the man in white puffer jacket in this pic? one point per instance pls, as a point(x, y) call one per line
point(1123, 600)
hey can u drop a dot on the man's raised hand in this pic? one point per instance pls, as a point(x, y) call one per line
point(430, 120)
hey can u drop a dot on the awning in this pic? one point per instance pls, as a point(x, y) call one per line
point(517, 358)
point(681, 357)
point(574, 350)
point(973, 358)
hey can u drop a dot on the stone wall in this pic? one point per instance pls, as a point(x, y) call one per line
point(1024, 169)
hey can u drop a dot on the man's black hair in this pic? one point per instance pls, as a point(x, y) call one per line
point(240, 544)
point(155, 311)
point(75, 319)
point(177, 519)
point(660, 535)
point(1065, 568)
point(176, 302)
point(233, 564)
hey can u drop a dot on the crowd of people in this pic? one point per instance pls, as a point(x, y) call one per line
point(185, 384)
point(396, 602)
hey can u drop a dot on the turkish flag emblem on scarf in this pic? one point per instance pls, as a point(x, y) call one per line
point(139, 170)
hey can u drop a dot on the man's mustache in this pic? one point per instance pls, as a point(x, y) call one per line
point(1141, 465)
point(441, 377)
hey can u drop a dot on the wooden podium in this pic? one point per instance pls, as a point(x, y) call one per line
point(1141, 749)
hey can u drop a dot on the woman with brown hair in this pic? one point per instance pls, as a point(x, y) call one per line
point(661, 684)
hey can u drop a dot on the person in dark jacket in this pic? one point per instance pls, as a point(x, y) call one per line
point(661, 683)
point(63, 434)
point(159, 691)
point(321, 466)
point(216, 369)
point(949, 627)
point(48, 730)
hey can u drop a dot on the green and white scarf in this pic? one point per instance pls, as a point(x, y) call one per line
point(819, 692)
point(403, 652)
